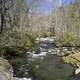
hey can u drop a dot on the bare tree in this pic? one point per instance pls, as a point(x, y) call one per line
point(5, 5)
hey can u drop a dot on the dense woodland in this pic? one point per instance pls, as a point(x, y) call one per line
point(17, 23)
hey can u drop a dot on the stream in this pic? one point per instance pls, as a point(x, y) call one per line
point(47, 65)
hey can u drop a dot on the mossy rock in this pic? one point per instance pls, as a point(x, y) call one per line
point(73, 59)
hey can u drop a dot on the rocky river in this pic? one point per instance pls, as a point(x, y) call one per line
point(43, 64)
point(47, 64)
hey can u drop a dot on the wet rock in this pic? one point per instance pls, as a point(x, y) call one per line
point(22, 78)
point(50, 39)
point(77, 71)
point(41, 54)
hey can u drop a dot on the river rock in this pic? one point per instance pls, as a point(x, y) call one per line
point(77, 71)
point(6, 71)
point(22, 78)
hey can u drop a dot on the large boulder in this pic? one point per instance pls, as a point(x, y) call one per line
point(6, 71)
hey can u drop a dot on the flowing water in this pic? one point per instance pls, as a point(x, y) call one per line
point(47, 65)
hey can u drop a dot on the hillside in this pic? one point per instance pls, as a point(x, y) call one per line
point(40, 23)
point(67, 19)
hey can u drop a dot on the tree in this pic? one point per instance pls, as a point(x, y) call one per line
point(5, 6)
point(14, 17)
point(67, 19)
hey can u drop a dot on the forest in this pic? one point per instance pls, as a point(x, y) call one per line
point(39, 39)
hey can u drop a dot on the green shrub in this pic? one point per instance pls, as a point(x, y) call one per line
point(12, 51)
point(69, 39)
point(49, 34)
point(29, 41)
point(44, 35)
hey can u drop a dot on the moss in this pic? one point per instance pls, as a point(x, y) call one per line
point(73, 59)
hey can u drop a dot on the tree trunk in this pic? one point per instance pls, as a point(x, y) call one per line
point(2, 16)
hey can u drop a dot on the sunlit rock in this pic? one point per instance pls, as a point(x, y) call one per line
point(45, 39)
point(22, 78)
point(77, 71)
point(6, 71)
point(41, 54)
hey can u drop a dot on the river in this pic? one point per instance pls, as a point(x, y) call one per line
point(47, 65)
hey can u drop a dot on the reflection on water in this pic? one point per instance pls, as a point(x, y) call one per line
point(52, 68)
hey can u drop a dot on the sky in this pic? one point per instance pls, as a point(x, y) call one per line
point(46, 6)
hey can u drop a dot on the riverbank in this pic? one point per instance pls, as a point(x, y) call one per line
point(45, 60)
